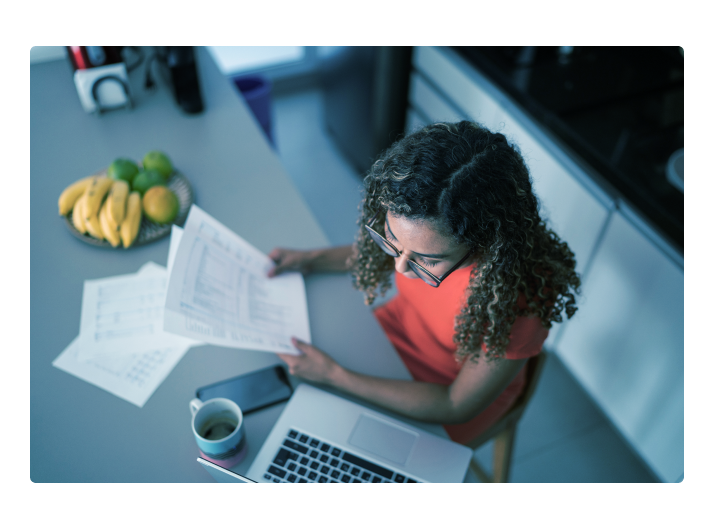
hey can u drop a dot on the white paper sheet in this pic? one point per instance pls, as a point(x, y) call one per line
point(176, 234)
point(219, 293)
point(123, 315)
point(132, 377)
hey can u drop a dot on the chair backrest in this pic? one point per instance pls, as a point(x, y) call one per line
point(534, 368)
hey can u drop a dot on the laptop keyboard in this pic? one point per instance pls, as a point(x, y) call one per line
point(303, 458)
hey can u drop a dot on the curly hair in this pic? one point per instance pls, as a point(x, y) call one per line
point(476, 187)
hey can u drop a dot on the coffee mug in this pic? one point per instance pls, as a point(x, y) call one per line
point(219, 431)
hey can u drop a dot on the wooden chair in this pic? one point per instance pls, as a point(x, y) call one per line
point(503, 432)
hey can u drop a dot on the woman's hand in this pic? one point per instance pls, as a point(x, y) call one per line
point(289, 260)
point(326, 259)
point(312, 364)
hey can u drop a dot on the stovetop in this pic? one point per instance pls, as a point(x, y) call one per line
point(619, 108)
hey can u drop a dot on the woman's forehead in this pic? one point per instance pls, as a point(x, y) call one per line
point(420, 235)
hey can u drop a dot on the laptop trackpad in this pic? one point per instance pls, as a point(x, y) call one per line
point(383, 439)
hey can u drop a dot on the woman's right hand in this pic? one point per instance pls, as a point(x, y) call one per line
point(290, 260)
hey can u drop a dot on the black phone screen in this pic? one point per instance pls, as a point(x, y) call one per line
point(251, 391)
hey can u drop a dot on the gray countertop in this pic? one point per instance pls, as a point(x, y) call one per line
point(80, 433)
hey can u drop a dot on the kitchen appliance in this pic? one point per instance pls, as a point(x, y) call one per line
point(364, 98)
point(100, 75)
point(178, 67)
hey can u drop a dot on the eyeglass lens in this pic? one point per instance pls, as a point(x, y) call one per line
point(392, 251)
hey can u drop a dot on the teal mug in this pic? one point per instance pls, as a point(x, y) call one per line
point(219, 431)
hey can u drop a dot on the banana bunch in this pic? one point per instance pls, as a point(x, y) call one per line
point(103, 208)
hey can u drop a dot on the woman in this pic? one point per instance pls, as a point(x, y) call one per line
point(451, 205)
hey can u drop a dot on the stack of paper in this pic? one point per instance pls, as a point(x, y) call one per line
point(121, 346)
point(135, 328)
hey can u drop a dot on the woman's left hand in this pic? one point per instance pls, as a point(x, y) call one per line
point(312, 364)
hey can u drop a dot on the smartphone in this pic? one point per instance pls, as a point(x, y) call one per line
point(252, 391)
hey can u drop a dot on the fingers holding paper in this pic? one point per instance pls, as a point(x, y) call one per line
point(311, 364)
point(288, 260)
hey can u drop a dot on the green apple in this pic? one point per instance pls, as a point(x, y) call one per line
point(158, 161)
point(147, 179)
point(123, 169)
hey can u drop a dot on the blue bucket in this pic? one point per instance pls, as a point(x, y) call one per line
point(256, 90)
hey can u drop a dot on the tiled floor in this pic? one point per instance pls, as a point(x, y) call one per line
point(563, 436)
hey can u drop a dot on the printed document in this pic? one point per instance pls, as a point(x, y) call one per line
point(125, 314)
point(131, 376)
point(218, 292)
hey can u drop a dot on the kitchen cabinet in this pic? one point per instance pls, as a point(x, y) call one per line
point(626, 343)
point(428, 102)
point(414, 121)
point(468, 92)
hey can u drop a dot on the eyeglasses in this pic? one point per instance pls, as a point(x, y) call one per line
point(419, 270)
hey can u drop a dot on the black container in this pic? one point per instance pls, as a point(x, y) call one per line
point(179, 66)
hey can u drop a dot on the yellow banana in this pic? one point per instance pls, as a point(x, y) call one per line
point(69, 196)
point(133, 217)
point(93, 226)
point(110, 234)
point(78, 219)
point(113, 226)
point(96, 191)
point(116, 202)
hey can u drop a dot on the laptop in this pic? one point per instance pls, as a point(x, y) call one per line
point(220, 474)
point(321, 437)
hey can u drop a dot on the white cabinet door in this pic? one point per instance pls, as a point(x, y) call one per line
point(451, 77)
point(414, 121)
point(626, 344)
point(425, 99)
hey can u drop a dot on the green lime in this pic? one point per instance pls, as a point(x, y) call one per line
point(123, 169)
point(158, 161)
point(146, 179)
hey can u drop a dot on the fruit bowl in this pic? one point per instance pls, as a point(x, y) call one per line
point(148, 230)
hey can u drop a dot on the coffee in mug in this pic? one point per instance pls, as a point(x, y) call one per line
point(219, 426)
point(218, 430)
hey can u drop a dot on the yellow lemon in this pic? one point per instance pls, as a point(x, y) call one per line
point(160, 204)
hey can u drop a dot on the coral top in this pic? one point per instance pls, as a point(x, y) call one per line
point(420, 322)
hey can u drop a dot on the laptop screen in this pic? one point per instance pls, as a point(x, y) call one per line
point(224, 475)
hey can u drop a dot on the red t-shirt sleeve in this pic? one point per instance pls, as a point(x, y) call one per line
point(527, 337)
